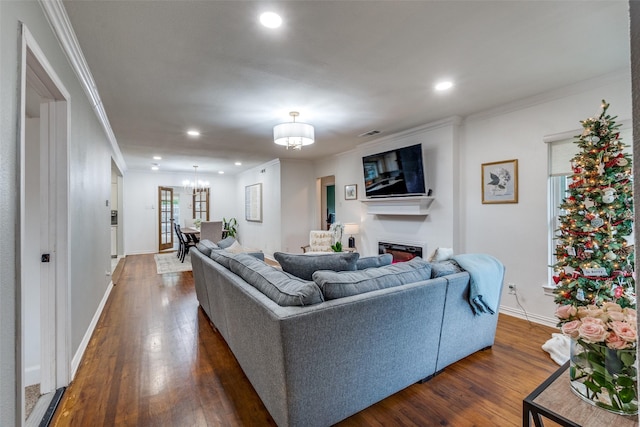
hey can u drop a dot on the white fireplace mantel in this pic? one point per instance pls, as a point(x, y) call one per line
point(410, 205)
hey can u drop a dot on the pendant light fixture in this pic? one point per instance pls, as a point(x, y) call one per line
point(293, 134)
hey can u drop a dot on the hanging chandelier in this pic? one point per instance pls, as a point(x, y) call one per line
point(293, 134)
point(195, 185)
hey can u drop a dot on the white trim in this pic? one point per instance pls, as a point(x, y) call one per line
point(56, 319)
point(59, 20)
point(535, 318)
point(77, 358)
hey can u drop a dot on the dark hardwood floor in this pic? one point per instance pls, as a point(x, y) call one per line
point(154, 360)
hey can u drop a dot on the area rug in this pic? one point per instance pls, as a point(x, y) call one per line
point(170, 263)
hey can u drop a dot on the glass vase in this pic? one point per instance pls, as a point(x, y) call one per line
point(605, 377)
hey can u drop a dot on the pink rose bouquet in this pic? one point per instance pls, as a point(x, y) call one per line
point(603, 354)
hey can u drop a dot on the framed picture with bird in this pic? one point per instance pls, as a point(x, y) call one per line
point(500, 182)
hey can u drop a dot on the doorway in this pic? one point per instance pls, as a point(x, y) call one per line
point(327, 201)
point(43, 261)
point(165, 220)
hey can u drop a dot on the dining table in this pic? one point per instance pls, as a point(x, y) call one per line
point(191, 232)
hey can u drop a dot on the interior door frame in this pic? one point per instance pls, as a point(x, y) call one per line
point(55, 294)
point(167, 245)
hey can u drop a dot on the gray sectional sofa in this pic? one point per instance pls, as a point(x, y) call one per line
point(317, 351)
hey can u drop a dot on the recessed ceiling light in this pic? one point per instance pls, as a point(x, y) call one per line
point(155, 167)
point(193, 132)
point(270, 20)
point(238, 163)
point(221, 172)
point(444, 85)
point(157, 158)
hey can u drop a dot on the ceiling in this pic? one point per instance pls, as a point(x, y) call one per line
point(348, 67)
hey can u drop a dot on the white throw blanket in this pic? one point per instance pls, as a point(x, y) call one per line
point(558, 348)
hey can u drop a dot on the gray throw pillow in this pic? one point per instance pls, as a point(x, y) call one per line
point(346, 283)
point(206, 246)
point(281, 287)
point(444, 268)
point(226, 242)
point(374, 261)
point(303, 266)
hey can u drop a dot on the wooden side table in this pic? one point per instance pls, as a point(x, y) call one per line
point(553, 399)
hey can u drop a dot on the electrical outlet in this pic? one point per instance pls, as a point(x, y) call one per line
point(512, 289)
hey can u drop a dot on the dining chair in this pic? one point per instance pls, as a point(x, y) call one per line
point(186, 242)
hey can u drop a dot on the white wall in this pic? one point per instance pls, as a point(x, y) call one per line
point(453, 153)
point(439, 228)
point(265, 235)
point(297, 210)
point(517, 233)
point(89, 154)
point(140, 208)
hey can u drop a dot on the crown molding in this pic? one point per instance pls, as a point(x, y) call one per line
point(552, 95)
point(57, 16)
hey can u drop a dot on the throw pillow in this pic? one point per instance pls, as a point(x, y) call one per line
point(441, 254)
point(374, 261)
point(346, 283)
point(444, 268)
point(206, 246)
point(279, 286)
point(235, 248)
point(226, 242)
point(304, 265)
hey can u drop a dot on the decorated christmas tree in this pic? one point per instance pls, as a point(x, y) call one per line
point(594, 258)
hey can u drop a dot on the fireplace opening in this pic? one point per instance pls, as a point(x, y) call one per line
point(400, 253)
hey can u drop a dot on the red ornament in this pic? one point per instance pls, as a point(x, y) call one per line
point(618, 292)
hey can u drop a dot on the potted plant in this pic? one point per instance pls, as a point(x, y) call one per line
point(229, 228)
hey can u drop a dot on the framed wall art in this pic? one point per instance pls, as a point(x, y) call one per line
point(253, 202)
point(500, 182)
point(351, 192)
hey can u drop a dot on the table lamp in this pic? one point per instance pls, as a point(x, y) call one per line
point(351, 229)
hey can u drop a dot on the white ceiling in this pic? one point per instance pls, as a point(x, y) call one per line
point(348, 67)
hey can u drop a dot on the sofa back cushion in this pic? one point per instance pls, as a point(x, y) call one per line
point(374, 261)
point(346, 283)
point(304, 265)
point(284, 289)
point(206, 246)
point(222, 257)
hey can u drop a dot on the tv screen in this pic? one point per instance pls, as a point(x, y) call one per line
point(397, 172)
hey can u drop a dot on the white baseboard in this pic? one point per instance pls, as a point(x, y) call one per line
point(77, 357)
point(543, 320)
point(32, 375)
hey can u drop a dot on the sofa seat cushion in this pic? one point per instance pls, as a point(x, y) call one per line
point(206, 246)
point(304, 265)
point(346, 283)
point(281, 287)
point(374, 261)
point(444, 268)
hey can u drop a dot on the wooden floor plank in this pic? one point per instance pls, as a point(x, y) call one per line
point(155, 360)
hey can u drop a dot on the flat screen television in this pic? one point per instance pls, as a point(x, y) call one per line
point(394, 173)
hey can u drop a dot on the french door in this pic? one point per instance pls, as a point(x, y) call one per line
point(165, 220)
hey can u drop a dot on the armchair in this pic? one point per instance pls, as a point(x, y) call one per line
point(319, 241)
